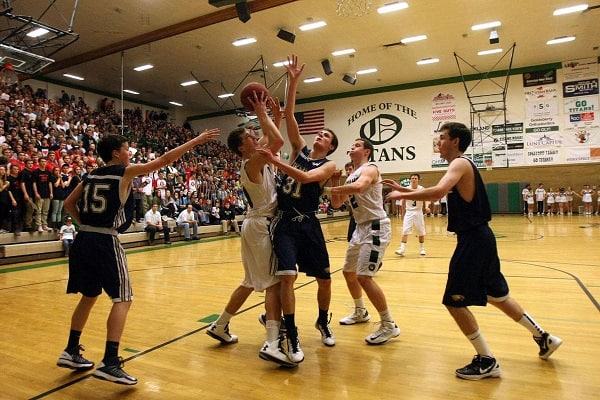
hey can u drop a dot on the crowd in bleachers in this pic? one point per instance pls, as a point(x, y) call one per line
point(48, 145)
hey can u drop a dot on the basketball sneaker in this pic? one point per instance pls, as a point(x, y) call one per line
point(400, 250)
point(548, 344)
point(74, 360)
point(387, 330)
point(359, 316)
point(481, 367)
point(422, 252)
point(274, 352)
point(221, 333)
point(292, 348)
point(114, 373)
point(326, 334)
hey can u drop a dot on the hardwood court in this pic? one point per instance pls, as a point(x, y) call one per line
point(551, 264)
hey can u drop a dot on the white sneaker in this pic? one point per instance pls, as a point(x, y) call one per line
point(221, 333)
point(293, 350)
point(422, 252)
point(326, 334)
point(400, 250)
point(548, 344)
point(40, 229)
point(274, 352)
point(387, 330)
point(359, 316)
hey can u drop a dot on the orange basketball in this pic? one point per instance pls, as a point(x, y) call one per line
point(248, 91)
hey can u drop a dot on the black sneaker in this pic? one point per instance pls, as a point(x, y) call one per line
point(326, 334)
point(481, 367)
point(114, 373)
point(74, 360)
point(548, 344)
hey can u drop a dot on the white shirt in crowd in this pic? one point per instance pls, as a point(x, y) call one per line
point(540, 194)
point(68, 232)
point(186, 216)
point(153, 218)
point(148, 187)
point(524, 193)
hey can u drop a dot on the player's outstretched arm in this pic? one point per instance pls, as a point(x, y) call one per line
point(294, 71)
point(170, 156)
point(321, 174)
point(272, 138)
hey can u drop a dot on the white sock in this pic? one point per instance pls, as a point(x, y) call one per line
point(359, 303)
point(422, 246)
point(531, 325)
point(386, 316)
point(479, 343)
point(272, 330)
point(223, 318)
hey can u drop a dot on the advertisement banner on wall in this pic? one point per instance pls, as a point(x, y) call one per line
point(443, 108)
point(581, 111)
point(541, 108)
point(536, 78)
point(582, 68)
point(542, 124)
point(538, 93)
point(543, 156)
point(595, 153)
point(514, 133)
point(577, 154)
point(511, 155)
point(584, 136)
point(543, 139)
point(586, 87)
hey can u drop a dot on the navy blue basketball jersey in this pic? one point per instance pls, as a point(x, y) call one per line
point(291, 194)
point(464, 216)
point(100, 205)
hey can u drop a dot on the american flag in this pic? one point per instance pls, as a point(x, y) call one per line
point(310, 122)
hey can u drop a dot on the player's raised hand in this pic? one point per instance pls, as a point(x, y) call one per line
point(395, 185)
point(394, 195)
point(259, 102)
point(208, 134)
point(267, 155)
point(276, 110)
point(294, 70)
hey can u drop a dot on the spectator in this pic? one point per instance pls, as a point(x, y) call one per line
point(4, 200)
point(58, 199)
point(15, 193)
point(228, 219)
point(186, 219)
point(67, 235)
point(42, 189)
point(26, 181)
point(138, 199)
point(154, 223)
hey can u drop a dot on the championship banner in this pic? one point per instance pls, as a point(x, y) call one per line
point(583, 68)
point(536, 78)
point(543, 156)
point(577, 154)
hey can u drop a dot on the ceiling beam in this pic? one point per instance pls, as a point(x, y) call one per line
point(162, 33)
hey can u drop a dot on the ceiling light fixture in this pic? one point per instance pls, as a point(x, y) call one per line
point(226, 95)
point(176, 103)
point(281, 63)
point(570, 10)
point(366, 71)
point(37, 32)
point(74, 77)
point(486, 25)
point(189, 83)
point(426, 61)
point(486, 52)
point(243, 41)
point(338, 53)
point(561, 39)
point(413, 39)
point(312, 25)
point(391, 7)
point(143, 67)
point(130, 91)
point(313, 79)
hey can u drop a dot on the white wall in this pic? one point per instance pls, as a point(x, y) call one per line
point(411, 149)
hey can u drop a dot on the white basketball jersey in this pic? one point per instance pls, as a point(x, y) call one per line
point(415, 205)
point(367, 206)
point(262, 197)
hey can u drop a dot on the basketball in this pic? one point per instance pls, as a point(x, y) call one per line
point(247, 92)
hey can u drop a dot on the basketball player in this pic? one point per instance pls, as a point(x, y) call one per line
point(97, 260)
point(349, 168)
point(474, 277)
point(413, 216)
point(369, 240)
point(258, 182)
point(296, 231)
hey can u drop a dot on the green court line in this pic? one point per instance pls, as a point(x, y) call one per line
point(209, 318)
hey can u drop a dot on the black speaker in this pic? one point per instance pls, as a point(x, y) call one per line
point(349, 79)
point(243, 11)
point(327, 67)
point(287, 36)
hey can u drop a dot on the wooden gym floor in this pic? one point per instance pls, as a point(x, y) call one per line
point(552, 265)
